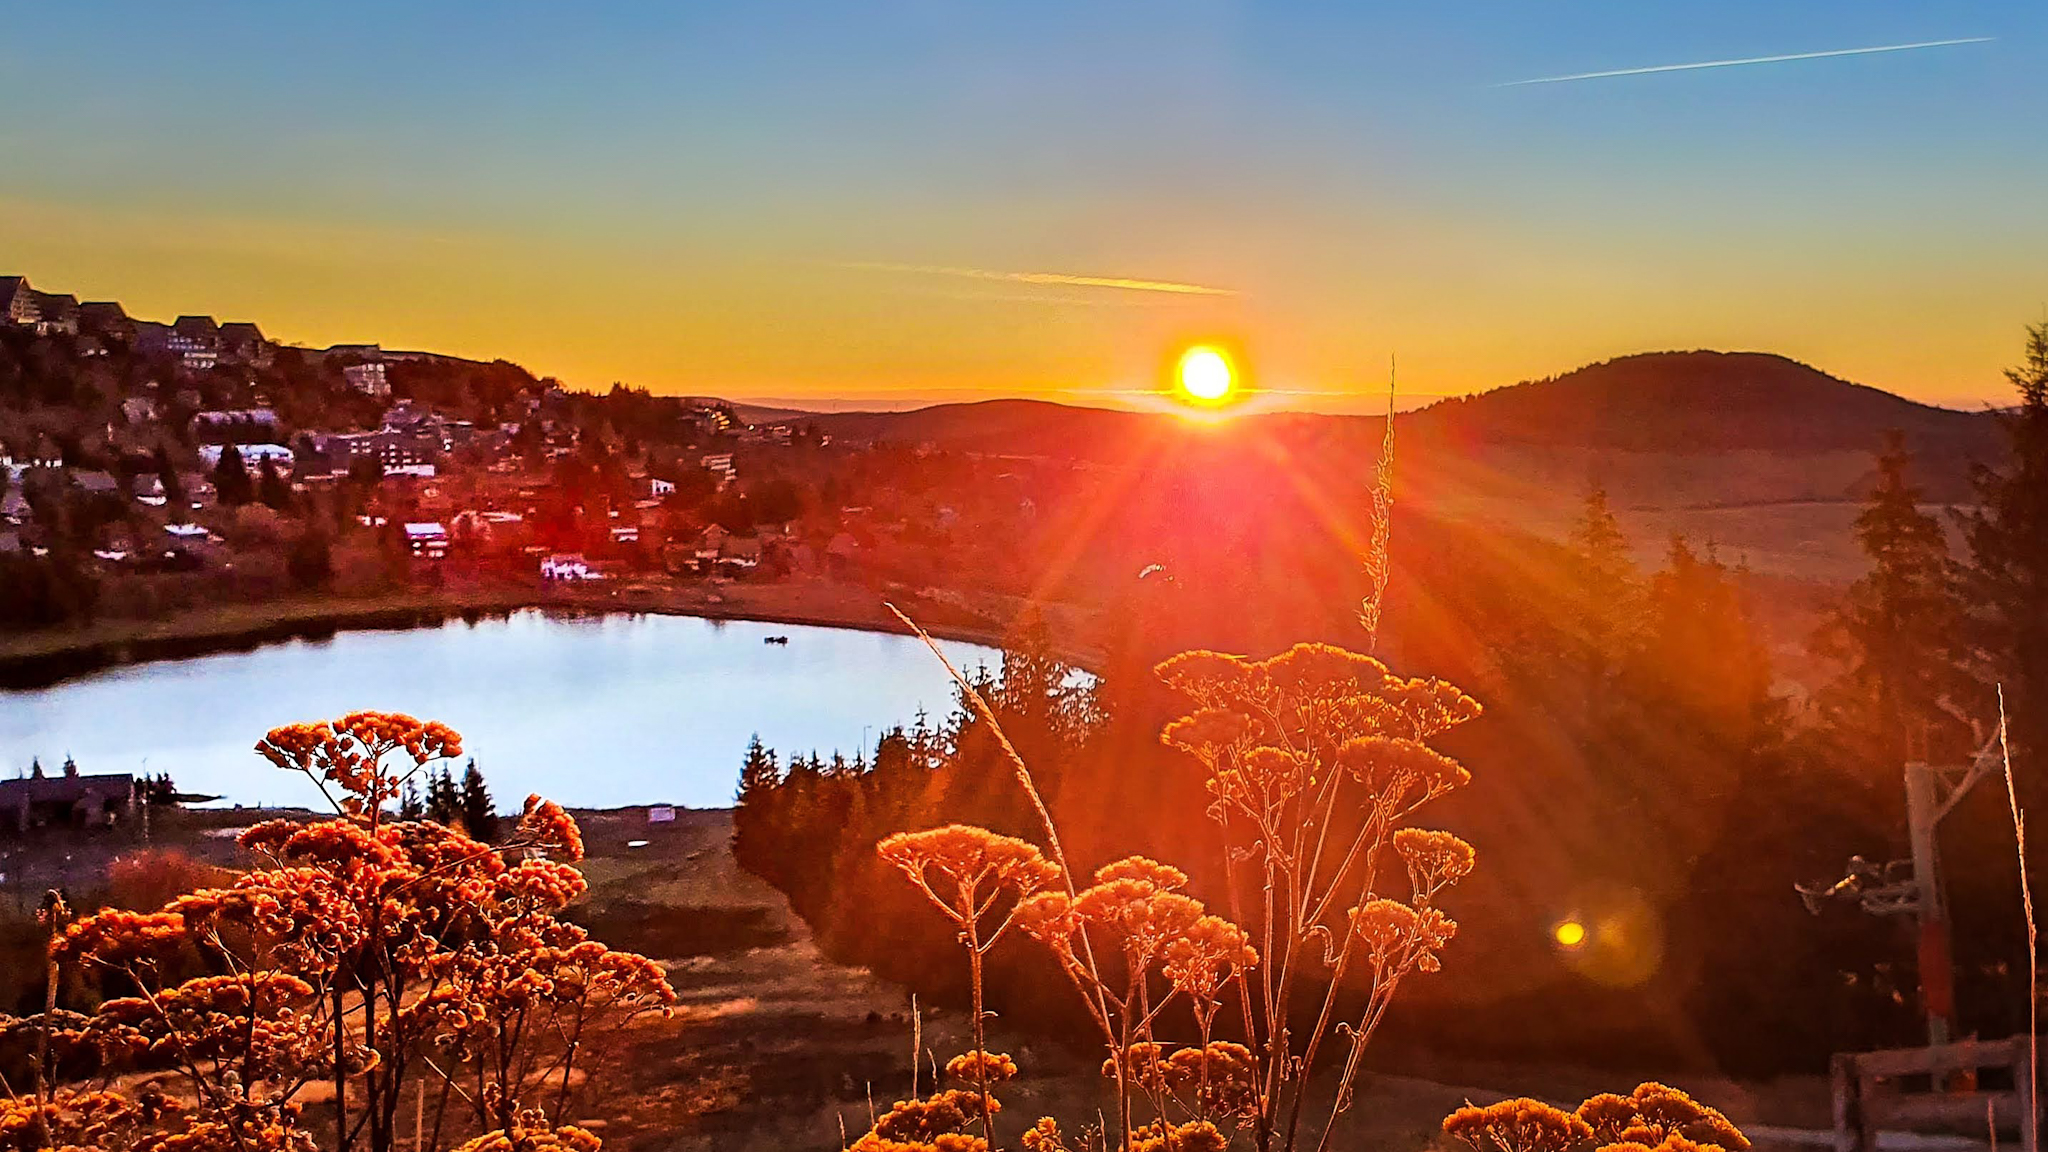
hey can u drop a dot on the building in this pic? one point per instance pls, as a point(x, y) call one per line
point(138, 409)
point(253, 455)
point(244, 341)
point(105, 318)
point(56, 312)
point(18, 301)
point(369, 379)
point(236, 423)
point(428, 539)
point(567, 566)
point(720, 464)
point(67, 801)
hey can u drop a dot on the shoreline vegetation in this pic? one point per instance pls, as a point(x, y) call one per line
point(45, 657)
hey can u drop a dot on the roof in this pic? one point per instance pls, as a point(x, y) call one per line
point(56, 305)
point(65, 787)
point(9, 285)
point(96, 481)
point(242, 330)
point(196, 326)
point(102, 310)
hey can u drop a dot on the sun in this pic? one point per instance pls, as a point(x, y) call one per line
point(1570, 934)
point(1205, 375)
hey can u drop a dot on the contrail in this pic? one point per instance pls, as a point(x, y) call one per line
point(1748, 60)
point(1052, 278)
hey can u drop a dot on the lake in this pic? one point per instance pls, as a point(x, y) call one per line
point(592, 710)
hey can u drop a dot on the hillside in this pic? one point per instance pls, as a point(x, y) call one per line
point(1763, 456)
point(1684, 402)
point(1705, 402)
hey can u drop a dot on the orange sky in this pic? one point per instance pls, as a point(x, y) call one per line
point(944, 203)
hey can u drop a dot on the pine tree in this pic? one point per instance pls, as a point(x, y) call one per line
point(1896, 633)
point(2006, 583)
point(272, 488)
point(176, 500)
point(35, 768)
point(1603, 607)
point(231, 480)
point(754, 808)
point(70, 766)
point(444, 804)
point(479, 812)
point(410, 806)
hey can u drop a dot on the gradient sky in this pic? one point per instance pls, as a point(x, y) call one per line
point(737, 199)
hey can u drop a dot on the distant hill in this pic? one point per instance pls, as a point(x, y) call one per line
point(1705, 402)
point(1684, 402)
point(1759, 454)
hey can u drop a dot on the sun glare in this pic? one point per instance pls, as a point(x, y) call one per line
point(1205, 375)
point(1570, 934)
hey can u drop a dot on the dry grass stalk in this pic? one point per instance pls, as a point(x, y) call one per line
point(2019, 831)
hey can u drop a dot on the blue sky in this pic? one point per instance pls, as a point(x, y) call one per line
point(676, 194)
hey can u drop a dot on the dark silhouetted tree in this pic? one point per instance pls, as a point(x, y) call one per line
point(231, 478)
point(1897, 635)
point(479, 813)
point(2006, 581)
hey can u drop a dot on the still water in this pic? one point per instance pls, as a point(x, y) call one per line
point(594, 711)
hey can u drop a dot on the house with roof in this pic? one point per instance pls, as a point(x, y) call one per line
point(18, 301)
point(369, 378)
point(68, 801)
point(243, 341)
point(56, 312)
point(105, 318)
point(96, 483)
point(567, 566)
point(428, 539)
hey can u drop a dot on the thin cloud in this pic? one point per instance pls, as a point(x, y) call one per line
point(1748, 60)
point(1051, 279)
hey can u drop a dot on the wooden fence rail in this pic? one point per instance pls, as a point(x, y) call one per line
point(1868, 1092)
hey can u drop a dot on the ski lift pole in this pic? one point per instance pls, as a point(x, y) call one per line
point(1924, 811)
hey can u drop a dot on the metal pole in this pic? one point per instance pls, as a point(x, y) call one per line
point(1937, 966)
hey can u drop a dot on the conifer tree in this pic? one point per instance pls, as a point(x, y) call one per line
point(272, 488)
point(231, 478)
point(70, 766)
point(2006, 583)
point(410, 806)
point(444, 804)
point(479, 812)
point(176, 499)
point(1902, 690)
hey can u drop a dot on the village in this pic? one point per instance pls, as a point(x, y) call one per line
point(197, 447)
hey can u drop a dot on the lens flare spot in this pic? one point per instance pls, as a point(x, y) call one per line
point(1205, 375)
point(1569, 934)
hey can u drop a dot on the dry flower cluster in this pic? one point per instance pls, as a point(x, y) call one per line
point(372, 954)
point(1653, 1117)
point(1314, 760)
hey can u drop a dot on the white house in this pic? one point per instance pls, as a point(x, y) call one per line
point(253, 455)
point(429, 539)
point(369, 379)
point(567, 566)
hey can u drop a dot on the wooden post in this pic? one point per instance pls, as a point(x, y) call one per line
point(2023, 1087)
point(1848, 1105)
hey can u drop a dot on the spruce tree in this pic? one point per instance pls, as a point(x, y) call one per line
point(410, 806)
point(1896, 635)
point(231, 478)
point(2006, 582)
point(479, 813)
point(272, 488)
point(444, 804)
point(176, 500)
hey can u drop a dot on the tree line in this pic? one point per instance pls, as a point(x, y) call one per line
point(1647, 776)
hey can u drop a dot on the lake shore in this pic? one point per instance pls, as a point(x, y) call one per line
point(42, 658)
